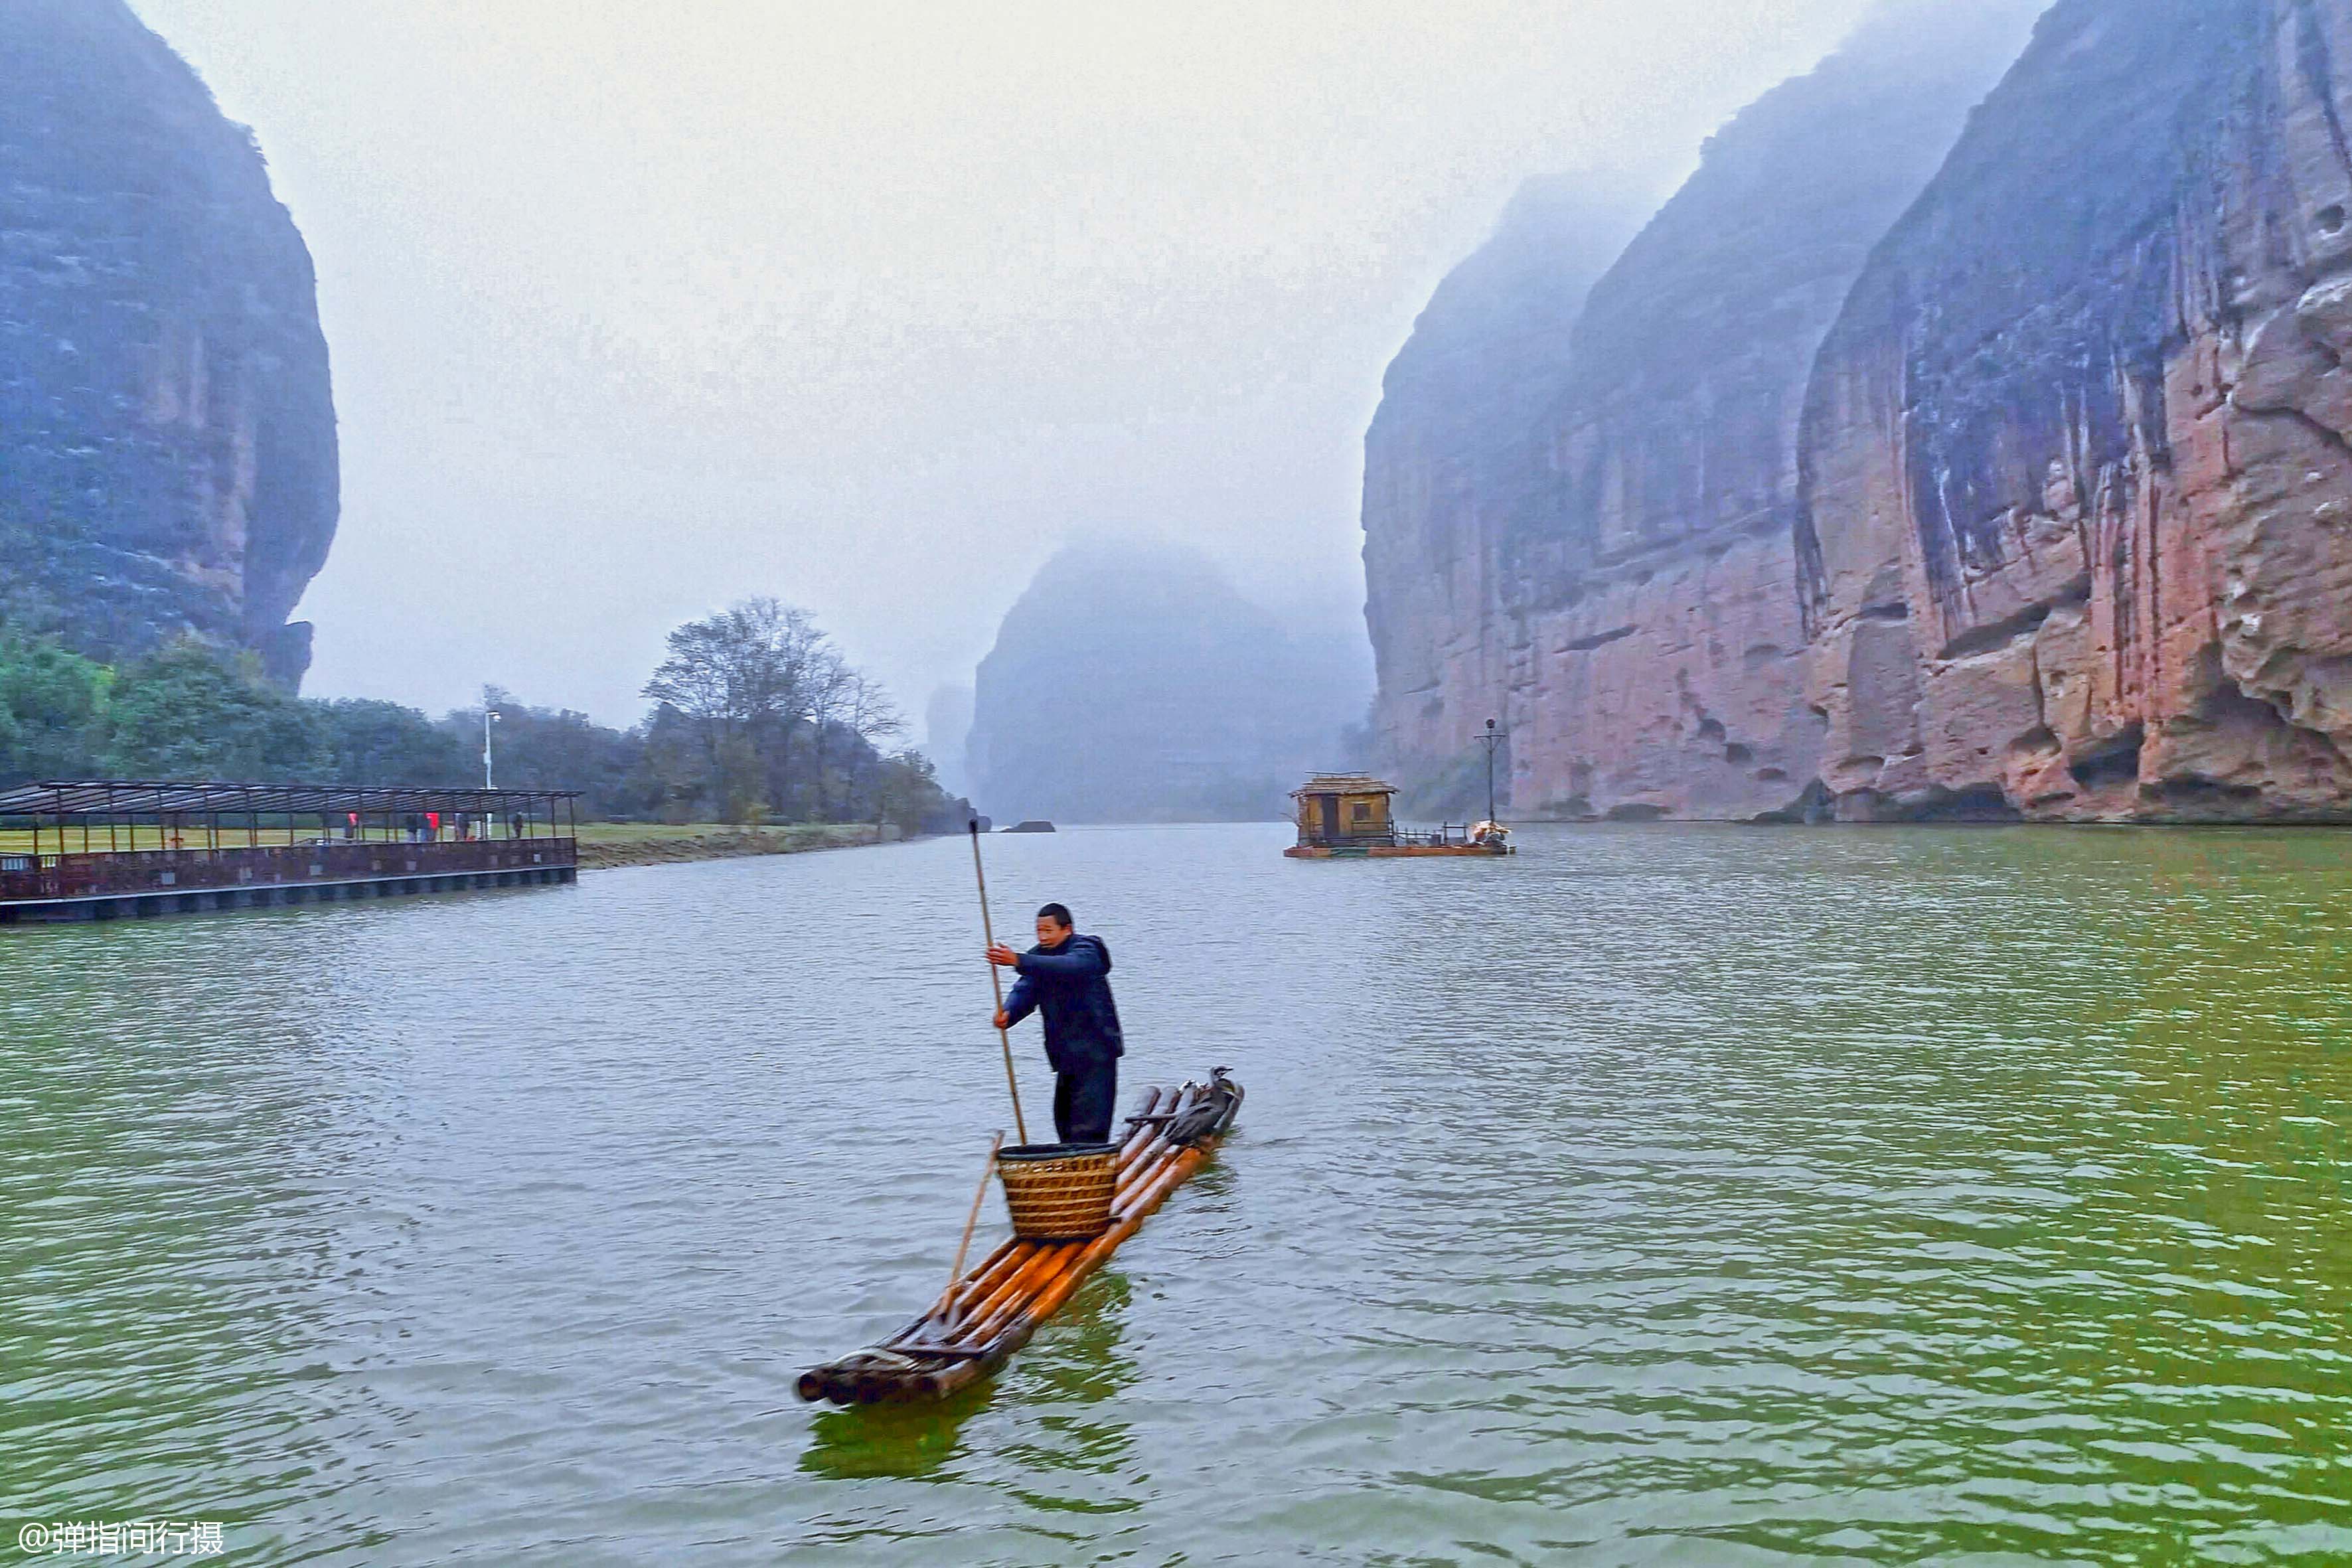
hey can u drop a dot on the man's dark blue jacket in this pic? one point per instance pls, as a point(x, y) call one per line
point(1071, 985)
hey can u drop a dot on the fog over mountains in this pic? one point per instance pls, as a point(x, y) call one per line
point(1132, 682)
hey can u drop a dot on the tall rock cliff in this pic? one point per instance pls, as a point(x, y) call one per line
point(1132, 683)
point(167, 435)
point(2077, 511)
point(1615, 569)
point(1455, 449)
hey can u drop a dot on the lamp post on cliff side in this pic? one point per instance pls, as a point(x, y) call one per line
point(1490, 739)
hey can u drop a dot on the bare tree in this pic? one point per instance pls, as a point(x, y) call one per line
point(868, 714)
point(727, 675)
point(748, 681)
point(830, 680)
point(795, 652)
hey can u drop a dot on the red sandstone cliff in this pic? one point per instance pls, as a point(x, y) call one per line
point(1595, 537)
point(1453, 449)
point(2077, 510)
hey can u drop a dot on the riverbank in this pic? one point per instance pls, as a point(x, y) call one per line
point(606, 844)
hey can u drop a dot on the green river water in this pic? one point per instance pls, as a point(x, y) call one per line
point(1660, 1196)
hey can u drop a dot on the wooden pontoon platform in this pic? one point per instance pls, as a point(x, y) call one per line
point(1399, 851)
point(990, 1313)
point(104, 849)
point(1348, 817)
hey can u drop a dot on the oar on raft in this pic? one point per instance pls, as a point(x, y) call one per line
point(985, 1317)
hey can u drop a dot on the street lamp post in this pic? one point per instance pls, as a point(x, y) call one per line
point(1491, 739)
point(490, 716)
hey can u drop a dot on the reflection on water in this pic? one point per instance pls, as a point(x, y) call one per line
point(1079, 1365)
point(903, 1440)
point(1068, 1389)
point(1661, 1195)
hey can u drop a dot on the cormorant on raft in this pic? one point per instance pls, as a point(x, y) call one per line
point(1204, 1118)
point(989, 1314)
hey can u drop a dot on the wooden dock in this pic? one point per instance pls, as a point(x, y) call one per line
point(112, 850)
point(986, 1315)
point(1399, 851)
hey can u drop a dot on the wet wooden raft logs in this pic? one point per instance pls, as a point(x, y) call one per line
point(978, 1322)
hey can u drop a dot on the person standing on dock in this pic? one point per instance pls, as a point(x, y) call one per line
point(1067, 977)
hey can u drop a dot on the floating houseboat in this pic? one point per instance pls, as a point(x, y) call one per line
point(115, 848)
point(1349, 815)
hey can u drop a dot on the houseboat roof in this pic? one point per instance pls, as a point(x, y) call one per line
point(148, 798)
point(1343, 784)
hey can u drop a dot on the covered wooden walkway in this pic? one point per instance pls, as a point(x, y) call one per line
point(103, 850)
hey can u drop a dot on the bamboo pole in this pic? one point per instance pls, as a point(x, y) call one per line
point(1178, 1172)
point(955, 1273)
point(1014, 1285)
point(1025, 1282)
point(1143, 1149)
point(1140, 1135)
point(985, 1275)
point(991, 1272)
point(996, 983)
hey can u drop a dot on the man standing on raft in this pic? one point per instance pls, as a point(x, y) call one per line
point(1067, 977)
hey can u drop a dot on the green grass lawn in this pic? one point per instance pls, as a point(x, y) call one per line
point(653, 832)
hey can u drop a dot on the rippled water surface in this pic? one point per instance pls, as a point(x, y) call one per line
point(1694, 1196)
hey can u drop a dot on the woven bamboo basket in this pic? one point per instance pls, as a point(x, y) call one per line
point(1059, 1192)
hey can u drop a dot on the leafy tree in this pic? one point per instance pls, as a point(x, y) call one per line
point(746, 681)
point(546, 748)
point(907, 795)
point(187, 711)
point(52, 710)
point(384, 744)
point(671, 774)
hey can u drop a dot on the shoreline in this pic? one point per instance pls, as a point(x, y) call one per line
point(611, 846)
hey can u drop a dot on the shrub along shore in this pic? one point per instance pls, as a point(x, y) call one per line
point(604, 845)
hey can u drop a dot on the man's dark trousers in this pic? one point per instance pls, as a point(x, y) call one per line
point(1084, 1102)
point(1070, 984)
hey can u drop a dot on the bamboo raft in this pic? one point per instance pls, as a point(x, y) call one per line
point(989, 1314)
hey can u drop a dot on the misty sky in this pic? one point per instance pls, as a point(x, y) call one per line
point(641, 306)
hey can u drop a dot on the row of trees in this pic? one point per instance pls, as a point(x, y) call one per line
point(756, 717)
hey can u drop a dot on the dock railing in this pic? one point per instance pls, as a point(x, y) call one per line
point(154, 843)
point(131, 872)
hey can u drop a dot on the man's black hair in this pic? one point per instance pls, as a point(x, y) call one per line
point(1058, 913)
